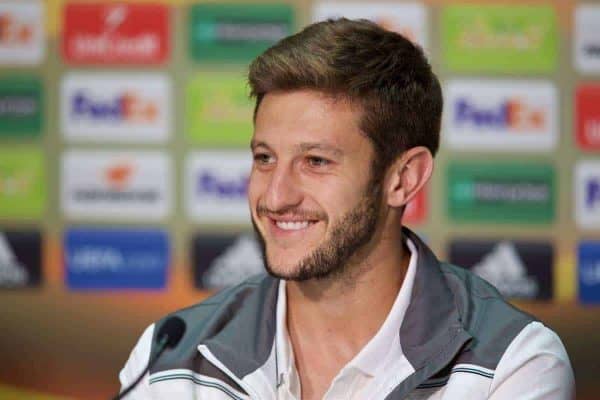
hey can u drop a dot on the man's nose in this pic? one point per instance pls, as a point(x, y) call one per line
point(283, 190)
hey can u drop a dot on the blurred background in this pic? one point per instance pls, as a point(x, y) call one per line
point(124, 131)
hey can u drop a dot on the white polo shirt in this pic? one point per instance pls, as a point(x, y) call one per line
point(364, 377)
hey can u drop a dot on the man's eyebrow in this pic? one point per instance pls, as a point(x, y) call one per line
point(321, 146)
point(256, 143)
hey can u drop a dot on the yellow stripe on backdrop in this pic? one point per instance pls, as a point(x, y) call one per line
point(11, 393)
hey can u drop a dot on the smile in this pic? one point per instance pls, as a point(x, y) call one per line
point(292, 225)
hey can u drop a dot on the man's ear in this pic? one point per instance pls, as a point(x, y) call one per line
point(407, 175)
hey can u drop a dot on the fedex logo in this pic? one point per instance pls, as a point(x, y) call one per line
point(13, 31)
point(216, 186)
point(116, 107)
point(235, 187)
point(21, 32)
point(514, 115)
point(587, 194)
point(592, 193)
point(116, 33)
point(129, 106)
point(501, 115)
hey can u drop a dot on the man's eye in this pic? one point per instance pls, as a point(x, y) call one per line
point(262, 158)
point(318, 161)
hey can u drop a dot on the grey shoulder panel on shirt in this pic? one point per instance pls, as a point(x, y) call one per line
point(216, 324)
point(491, 320)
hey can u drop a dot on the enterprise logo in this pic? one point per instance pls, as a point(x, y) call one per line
point(125, 185)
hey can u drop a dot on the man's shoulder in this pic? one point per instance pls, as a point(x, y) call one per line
point(226, 303)
point(493, 322)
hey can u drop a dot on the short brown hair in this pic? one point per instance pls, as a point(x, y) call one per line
point(384, 73)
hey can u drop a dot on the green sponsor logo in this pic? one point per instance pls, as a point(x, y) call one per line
point(22, 183)
point(500, 38)
point(237, 32)
point(519, 193)
point(218, 110)
point(20, 107)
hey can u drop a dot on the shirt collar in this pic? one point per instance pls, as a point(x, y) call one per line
point(368, 360)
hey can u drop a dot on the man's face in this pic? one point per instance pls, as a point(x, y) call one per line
point(311, 196)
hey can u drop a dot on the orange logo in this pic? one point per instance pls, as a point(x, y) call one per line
point(118, 176)
point(13, 31)
point(137, 109)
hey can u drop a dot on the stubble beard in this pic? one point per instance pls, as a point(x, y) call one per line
point(332, 258)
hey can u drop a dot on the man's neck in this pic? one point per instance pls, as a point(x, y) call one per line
point(330, 321)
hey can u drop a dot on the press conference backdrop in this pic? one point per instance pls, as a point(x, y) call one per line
point(124, 161)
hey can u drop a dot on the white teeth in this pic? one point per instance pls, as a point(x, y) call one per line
point(292, 226)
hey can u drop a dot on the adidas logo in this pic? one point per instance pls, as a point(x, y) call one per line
point(239, 261)
point(503, 268)
point(12, 273)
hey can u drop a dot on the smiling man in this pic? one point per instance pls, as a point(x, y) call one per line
point(354, 306)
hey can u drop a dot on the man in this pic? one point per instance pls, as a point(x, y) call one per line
point(347, 121)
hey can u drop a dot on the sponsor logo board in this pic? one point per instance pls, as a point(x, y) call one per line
point(408, 19)
point(587, 194)
point(501, 192)
point(588, 261)
point(96, 33)
point(20, 259)
point(518, 269)
point(116, 259)
point(587, 38)
point(22, 38)
point(501, 116)
point(416, 211)
point(587, 117)
point(236, 32)
point(217, 186)
point(120, 185)
point(219, 111)
point(105, 107)
point(21, 107)
point(225, 260)
point(22, 183)
point(500, 38)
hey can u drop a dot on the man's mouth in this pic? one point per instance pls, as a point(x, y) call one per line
point(292, 225)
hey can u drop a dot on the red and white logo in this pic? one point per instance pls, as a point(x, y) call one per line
point(116, 33)
point(21, 32)
point(587, 117)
